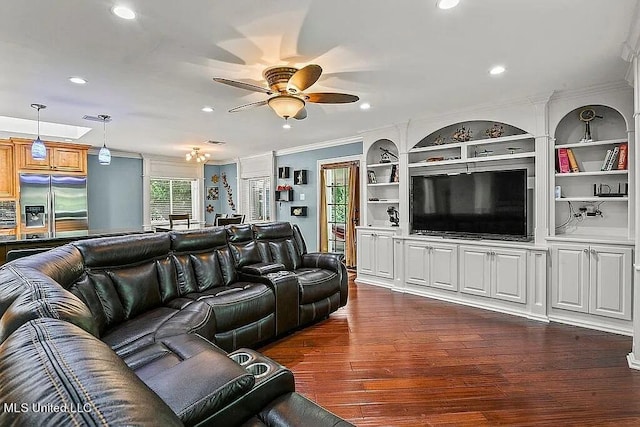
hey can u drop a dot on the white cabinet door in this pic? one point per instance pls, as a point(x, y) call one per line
point(570, 281)
point(443, 266)
point(366, 252)
point(384, 254)
point(416, 264)
point(610, 284)
point(509, 274)
point(475, 270)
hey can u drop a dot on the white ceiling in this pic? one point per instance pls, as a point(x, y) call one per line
point(406, 57)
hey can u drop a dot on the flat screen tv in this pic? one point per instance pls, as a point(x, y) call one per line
point(492, 203)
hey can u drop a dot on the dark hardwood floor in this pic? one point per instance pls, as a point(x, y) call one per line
point(391, 359)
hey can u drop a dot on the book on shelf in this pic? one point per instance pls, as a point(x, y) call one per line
point(563, 160)
point(613, 160)
point(622, 156)
point(572, 161)
point(607, 157)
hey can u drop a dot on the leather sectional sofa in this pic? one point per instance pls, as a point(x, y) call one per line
point(150, 329)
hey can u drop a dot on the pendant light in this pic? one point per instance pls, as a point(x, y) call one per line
point(38, 149)
point(104, 156)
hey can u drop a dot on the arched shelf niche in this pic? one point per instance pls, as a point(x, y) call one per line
point(472, 142)
point(382, 181)
point(590, 175)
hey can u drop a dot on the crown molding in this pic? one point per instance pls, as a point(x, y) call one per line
point(618, 85)
point(631, 46)
point(319, 145)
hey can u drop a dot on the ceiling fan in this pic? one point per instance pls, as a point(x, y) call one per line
point(288, 84)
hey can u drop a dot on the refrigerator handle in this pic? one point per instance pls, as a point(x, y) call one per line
point(50, 204)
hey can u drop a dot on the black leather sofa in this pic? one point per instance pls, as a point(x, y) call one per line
point(149, 329)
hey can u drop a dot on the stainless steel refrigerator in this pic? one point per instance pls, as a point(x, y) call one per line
point(53, 203)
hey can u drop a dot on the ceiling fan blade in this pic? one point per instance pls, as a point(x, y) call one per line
point(304, 78)
point(330, 98)
point(249, 106)
point(243, 85)
point(302, 114)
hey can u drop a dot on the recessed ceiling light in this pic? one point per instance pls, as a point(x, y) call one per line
point(207, 109)
point(447, 4)
point(498, 69)
point(123, 12)
point(77, 80)
point(365, 106)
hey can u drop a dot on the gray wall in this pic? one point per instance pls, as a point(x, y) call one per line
point(308, 160)
point(114, 193)
point(232, 179)
point(209, 172)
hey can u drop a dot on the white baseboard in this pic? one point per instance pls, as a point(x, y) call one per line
point(361, 280)
point(633, 362)
point(614, 329)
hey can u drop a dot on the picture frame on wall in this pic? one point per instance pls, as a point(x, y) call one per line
point(213, 193)
point(283, 172)
point(300, 177)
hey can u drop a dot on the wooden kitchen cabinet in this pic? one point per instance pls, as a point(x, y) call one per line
point(7, 173)
point(61, 157)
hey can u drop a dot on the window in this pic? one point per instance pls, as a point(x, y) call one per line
point(257, 199)
point(172, 196)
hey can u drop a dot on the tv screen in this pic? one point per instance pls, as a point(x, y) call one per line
point(492, 203)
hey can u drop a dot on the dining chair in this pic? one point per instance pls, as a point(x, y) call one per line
point(230, 220)
point(179, 217)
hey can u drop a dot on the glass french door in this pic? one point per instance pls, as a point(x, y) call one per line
point(337, 193)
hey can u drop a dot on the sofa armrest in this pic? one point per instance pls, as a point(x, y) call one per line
point(286, 287)
point(262, 268)
point(200, 386)
point(333, 262)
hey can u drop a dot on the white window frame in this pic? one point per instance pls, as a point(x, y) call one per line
point(194, 194)
point(247, 202)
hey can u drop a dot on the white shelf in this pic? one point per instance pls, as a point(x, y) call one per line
point(592, 173)
point(473, 160)
point(381, 165)
point(593, 199)
point(591, 144)
point(501, 157)
point(474, 142)
point(437, 147)
point(437, 163)
point(383, 184)
point(392, 201)
point(501, 139)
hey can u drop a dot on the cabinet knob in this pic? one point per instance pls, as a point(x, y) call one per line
point(593, 251)
point(586, 251)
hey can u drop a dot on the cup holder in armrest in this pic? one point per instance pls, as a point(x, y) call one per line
point(258, 369)
point(241, 358)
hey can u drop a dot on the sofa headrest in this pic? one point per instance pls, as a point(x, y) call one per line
point(63, 264)
point(123, 250)
point(198, 240)
point(239, 233)
point(273, 230)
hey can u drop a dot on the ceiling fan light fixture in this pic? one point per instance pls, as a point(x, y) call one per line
point(447, 4)
point(286, 106)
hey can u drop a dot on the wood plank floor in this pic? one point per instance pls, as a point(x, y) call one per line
point(391, 359)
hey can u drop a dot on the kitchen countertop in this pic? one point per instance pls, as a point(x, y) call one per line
point(69, 235)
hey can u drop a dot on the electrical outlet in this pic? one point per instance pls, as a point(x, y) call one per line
point(301, 196)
